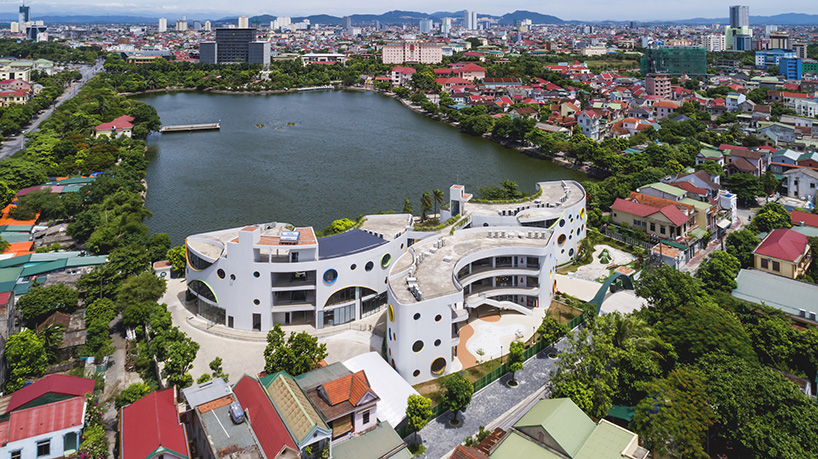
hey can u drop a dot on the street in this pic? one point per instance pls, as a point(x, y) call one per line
point(15, 143)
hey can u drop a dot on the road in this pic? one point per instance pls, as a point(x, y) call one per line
point(15, 143)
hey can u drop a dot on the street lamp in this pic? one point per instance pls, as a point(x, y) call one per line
point(501, 354)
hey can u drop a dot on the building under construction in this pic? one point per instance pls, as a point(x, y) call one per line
point(674, 61)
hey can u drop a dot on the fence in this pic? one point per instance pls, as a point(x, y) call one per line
point(494, 375)
point(628, 240)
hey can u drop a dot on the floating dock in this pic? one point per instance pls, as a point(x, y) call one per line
point(190, 127)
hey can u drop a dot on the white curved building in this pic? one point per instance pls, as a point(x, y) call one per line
point(254, 277)
point(507, 259)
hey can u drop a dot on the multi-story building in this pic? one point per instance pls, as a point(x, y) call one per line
point(207, 52)
point(800, 50)
point(675, 61)
point(779, 40)
point(244, 22)
point(414, 51)
point(769, 57)
point(739, 16)
point(470, 20)
point(505, 259)
point(739, 35)
point(258, 52)
point(235, 46)
point(163, 25)
point(281, 23)
point(207, 26)
point(790, 68)
point(658, 84)
point(181, 25)
point(445, 25)
point(714, 43)
point(425, 25)
point(24, 17)
point(589, 122)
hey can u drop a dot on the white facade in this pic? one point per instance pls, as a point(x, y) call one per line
point(163, 25)
point(714, 42)
point(249, 279)
point(497, 262)
point(589, 125)
point(425, 25)
point(244, 22)
point(58, 443)
point(802, 183)
point(805, 107)
point(280, 23)
point(470, 20)
point(418, 51)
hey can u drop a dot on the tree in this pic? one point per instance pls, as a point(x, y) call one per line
point(438, 198)
point(418, 412)
point(718, 272)
point(6, 195)
point(216, 369)
point(425, 204)
point(179, 356)
point(458, 392)
point(142, 288)
point(407, 207)
point(137, 314)
point(477, 124)
point(516, 357)
point(551, 330)
point(26, 358)
point(298, 354)
point(741, 244)
point(178, 258)
point(40, 302)
point(158, 246)
point(668, 289)
point(675, 415)
point(52, 340)
point(703, 327)
point(132, 393)
point(746, 187)
point(101, 309)
point(771, 216)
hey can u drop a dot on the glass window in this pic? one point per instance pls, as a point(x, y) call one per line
point(43, 448)
point(776, 266)
point(366, 417)
point(196, 262)
point(339, 316)
point(765, 263)
point(373, 305)
point(16, 454)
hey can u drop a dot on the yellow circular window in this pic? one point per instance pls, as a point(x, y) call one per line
point(391, 312)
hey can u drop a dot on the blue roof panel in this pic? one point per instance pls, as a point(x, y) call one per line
point(343, 244)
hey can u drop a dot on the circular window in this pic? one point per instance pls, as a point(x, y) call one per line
point(256, 274)
point(416, 373)
point(582, 213)
point(401, 246)
point(418, 346)
point(386, 260)
point(562, 251)
point(562, 223)
point(416, 316)
point(391, 312)
point(352, 268)
point(571, 253)
point(390, 352)
point(256, 302)
point(330, 275)
point(437, 342)
point(393, 363)
point(485, 224)
point(163, 275)
point(438, 318)
point(369, 266)
point(220, 273)
point(438, 366)
point(232, 277)
point(554, 288)
point(561, 239)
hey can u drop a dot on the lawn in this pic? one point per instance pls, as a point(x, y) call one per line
point(564, 313)
point(434, 391)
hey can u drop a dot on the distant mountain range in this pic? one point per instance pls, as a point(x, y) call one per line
point(398, 17)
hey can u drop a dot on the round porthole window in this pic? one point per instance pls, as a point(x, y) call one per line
point(416, 316)
point(437, 342)
point(582, 213)
point(369, 266)
point(561, 239)
point(418, 346)
point(416, 373)
point(391, 313)
point(438, 366)
point(220, 273)
point(232, 277)
point(256, 302)
point(571, 253)
point(485, 224)
point(562, 223)
point(438, 318)
point(330, 275)
point(352, 268)
point(256, 274)
point(386, 260)
point(401, 246)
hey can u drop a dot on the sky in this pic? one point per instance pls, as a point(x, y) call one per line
point(591, 10)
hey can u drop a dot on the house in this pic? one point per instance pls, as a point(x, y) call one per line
point(666, 222)
point(588, 121)
point(707, 154)
point(15, 85)
point(801, 183)
point(306, 425)
point(150, 428)
point(50, 389)
point(733, 101)
point(557, 428)
point(46, 431)
point(804, 218)
point(347, 404)
point(745, 161)
point(13, 97)
point(213, 423)
point(401, 76)
point(700, 179)
point(664, 108)
point(119, 126)
point(761, 287)
point(273, 435)
point(381, 443)
point(471, 72)
point(663, 191)
point(783, 252)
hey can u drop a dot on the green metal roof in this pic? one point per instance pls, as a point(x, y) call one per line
point(18, 228)
point(707, 153)
point(43, 268)
point(622, 412)
point(86, 261)
point(10, 275)
point(807, 231)
point(697, 204)
point(698, 233)
point(760, 287)
point(562, 419)
point(607, 441)
point(665, 188)
point(15, 237)
point(515, 446)
point(15, 261)
point(375, 444)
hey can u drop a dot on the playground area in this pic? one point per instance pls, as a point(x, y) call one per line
point(605, 258)
point(487, 338)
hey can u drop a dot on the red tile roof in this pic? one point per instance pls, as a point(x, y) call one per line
point(44, 419)
point(350, 388)
point(51, 384)
point(633, 208)
point(691, 188)
point(784, 244)
point(797, 217)
point(270, 430)
point(152, 423)
point(467, 452)
point(122, 122)
point(471, 68)
point(674, 215)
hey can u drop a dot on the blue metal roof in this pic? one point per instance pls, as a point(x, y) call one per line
point(352, 241)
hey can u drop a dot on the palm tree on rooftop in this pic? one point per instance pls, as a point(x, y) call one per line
point(438, 197)
point(425, 204)
point(407, 207)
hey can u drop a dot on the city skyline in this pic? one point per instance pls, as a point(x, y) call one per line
point(593, 10)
